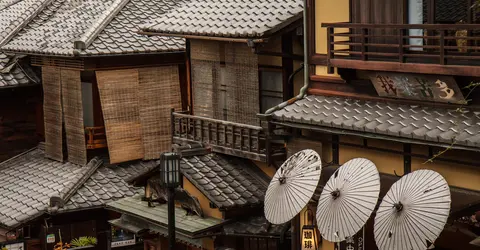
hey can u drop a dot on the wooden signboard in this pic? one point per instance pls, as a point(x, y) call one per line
point(417, 87)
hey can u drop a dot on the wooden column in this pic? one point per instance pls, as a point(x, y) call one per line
point(287, 66)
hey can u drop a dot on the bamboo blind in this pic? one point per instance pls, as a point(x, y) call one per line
point(73, 116)
point(242, 84)
point(52, 106)
point(207, 79)
point(119, 96)
point(159, 92)
point(225, 81)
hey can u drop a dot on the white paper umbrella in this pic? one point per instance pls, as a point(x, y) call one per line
point(292, 186)
point(348, 199)
point(413, 212)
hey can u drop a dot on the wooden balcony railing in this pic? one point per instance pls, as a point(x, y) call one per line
point(439, 47)
point(251, 142)
point(96, 137)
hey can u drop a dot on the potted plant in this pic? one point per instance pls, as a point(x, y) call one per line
point(83, 242)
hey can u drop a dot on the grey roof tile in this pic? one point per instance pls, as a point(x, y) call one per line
point(105, 26)
point(20, 200)
point(20, 74)
point(224, 179)
point(108, 183)
point(432, 124)
point(228, 18)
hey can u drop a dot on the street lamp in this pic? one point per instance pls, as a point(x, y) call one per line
point(309, 232)
point(170, 176)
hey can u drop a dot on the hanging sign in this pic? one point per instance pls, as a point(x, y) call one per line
point(355, 242)
point(51, 238)
point(121, 238)
point(417, 87)
point(309, 241)
point(15, 246)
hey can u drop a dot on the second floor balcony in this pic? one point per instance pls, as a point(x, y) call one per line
point(452, 49)
point(242, 140)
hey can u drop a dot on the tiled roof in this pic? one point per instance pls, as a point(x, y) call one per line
point(108, 183)
point(14, 14)
point(397, 120)
point(94, 27)
point(18, 75)
point(228, 18)
point(158, 215)
point(226, 181)
point(135, 225)
point(28, 181)
point(120, 36)
point(255, 225)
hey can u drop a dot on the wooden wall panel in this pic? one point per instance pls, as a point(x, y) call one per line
point(119, 95)
point(52, 106)
point(159, 92)
point(73, 116)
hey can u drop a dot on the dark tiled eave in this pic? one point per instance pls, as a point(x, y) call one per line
point(380, 120)
point(228, 182)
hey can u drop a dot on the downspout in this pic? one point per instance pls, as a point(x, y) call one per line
point(306, 73)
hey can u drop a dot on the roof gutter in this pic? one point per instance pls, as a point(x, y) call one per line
point(211, 38)
point(306, 72)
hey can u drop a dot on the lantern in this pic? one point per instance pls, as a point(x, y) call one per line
point(309, 232)
point(170, 169)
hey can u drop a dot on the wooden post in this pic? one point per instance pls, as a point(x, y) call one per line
point(401, 41)
point(442, 47)
point(287, 66)
point(364, 42)
point(201, 130)
point(209, 127)
point(330, 48)
point(172, 125)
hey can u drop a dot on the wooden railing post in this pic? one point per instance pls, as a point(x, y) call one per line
point(442, 47)
point(364, 48)
point(268, 146)
point(209, 127)
point(330, 48)
point(401, 41)
point(172, 124)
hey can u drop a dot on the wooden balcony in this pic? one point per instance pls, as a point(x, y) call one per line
point(95, 137)
point(451, 49)
point(246, 141)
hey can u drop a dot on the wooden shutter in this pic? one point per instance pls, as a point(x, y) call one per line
point(242, 84)
point(159, 92)
point(119, 96)
point(207, 80)
point(73, 116)
point(52, 107)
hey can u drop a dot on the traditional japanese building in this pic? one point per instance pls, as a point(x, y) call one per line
point(391, 81)
point(104, 121)
point(21, 127)
point(242, 61)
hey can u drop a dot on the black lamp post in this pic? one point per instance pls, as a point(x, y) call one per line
point(170, 176)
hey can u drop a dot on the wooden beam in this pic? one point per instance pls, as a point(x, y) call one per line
point(328, 79)
point(228, 151)
point(407, 67)
point(131, 61)
point(318, 59)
